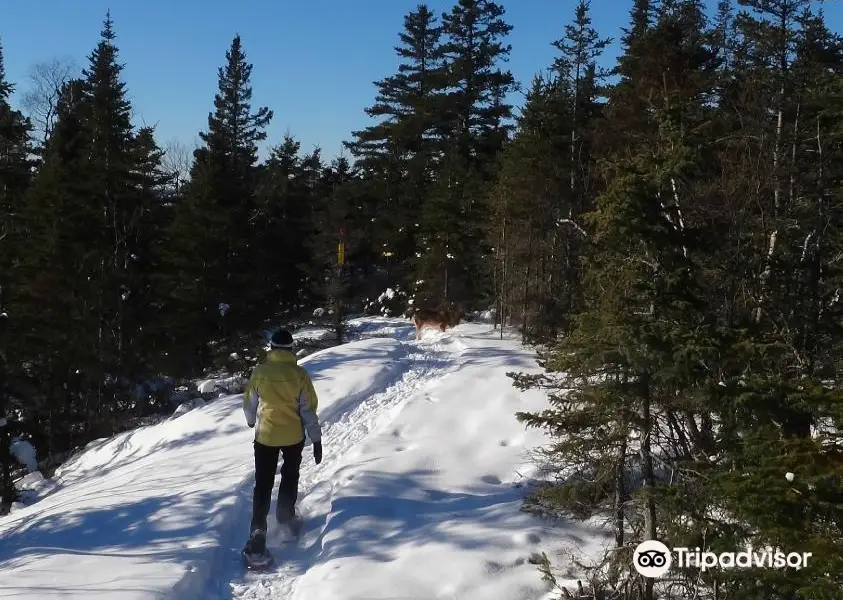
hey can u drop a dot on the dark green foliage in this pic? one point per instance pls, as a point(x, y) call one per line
point(397, 154)
point(453, 265)
point(548, 179)
point(284, 222)
point(701, 369)
point(211, 294)
point(15, 175)
point(81, 275)
point(474, 107)
point(670, 241)
point(337, 218)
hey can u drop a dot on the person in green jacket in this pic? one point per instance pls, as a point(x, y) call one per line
point(280, 404)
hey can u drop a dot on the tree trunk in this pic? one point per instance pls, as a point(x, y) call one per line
point(621, 495)
point(7, 487)
point(772, 239)
point(504, 254)
point(525, 299)
point(649, 479)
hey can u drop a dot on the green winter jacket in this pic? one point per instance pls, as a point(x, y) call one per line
point(280, 402)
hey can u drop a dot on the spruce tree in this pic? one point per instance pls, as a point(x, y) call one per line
point(148, 182)
point(454, 258)
point(397, 153)
point(284, 227)
point(583, 80)
point(782, 391)
point(637, 353)
point(88, 225)
point(547, 180)
point(475, 107)
point(56, 253)
point(15, 175)
point(213, 294)
point(336, 218)
point(529, 192)
point(116, 184)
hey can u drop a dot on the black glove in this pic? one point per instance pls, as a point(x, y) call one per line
point(317, 452)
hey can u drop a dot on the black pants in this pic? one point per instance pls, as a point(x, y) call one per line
point(266, 462)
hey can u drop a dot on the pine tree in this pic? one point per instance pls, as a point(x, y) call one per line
point(336, 219)
point(56, 253)
point(397, 153)
point(635, 358)
point(212, 292)
point(583, 79)
point(15, 167)
point(454, 258)
point(89, 226)
point(547, 180)
point(148, 183)
point(116, 184)
point(783, 386)
point(284, 223)
point(529, 194)
point(476, 111)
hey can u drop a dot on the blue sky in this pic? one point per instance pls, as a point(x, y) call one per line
point(314, 61)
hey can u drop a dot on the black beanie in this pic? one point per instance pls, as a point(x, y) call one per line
point(281, 339)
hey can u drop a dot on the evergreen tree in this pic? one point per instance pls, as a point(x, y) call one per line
point(284, 223)
point(213, 293)
point(548, 179)
point(475, 107)
point(148, 183)
point(703, 359)
point(529, 192)
point(15, 167)
point(56, 253)
point(453, 263)
point(397, 154)
point(116, 184)
point(337, 218)
point(783, 387)
point(88, 225)
point(634, 358)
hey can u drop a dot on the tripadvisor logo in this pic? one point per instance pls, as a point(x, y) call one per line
point(653, 559)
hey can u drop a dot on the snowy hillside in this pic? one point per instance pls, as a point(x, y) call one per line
point(418, 495)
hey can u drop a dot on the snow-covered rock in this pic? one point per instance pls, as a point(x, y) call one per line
point(25, 453)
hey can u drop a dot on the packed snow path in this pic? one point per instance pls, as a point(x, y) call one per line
point(417, 497)
point(343, 430)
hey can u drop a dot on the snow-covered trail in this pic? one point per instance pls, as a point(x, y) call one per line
point(343, 431)
point(419, 494)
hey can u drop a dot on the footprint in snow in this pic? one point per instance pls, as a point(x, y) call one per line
point(493, 567)
point(491, 479)
point(527, 539)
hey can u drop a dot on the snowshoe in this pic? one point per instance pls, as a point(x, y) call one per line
point(295, 526)
point(255, 553)
point(291, 521)
point(257, 562)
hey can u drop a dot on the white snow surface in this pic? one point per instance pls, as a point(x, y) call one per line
point(25, 453)
point(418, 495)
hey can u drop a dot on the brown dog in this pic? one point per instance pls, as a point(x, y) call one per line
point(435, 319)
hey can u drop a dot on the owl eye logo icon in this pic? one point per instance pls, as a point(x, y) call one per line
point(652, 558)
